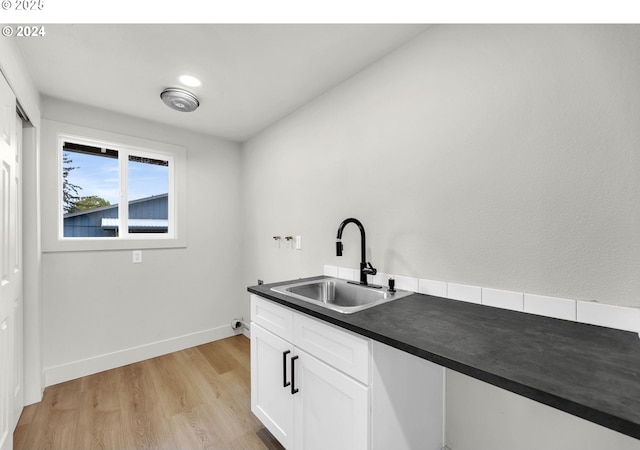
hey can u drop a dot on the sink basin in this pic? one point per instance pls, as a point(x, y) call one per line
point(340, 295)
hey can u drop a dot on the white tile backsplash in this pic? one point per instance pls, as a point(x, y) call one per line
point(560, 308)
point(380, 278)
point(406, 283)
point(464, 292)
point(594, 313)
point(330, 271)
point(611, 316)
point(348, 274)
point(432, 287)
point(503, 299)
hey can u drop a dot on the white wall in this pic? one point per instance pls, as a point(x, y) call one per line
point(100, 310)
point(497, 156)
point(489, 418)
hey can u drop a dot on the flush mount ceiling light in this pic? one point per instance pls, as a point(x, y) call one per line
point(179, 99)
point(190, 81)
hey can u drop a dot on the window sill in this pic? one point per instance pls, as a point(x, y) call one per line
point(107, 244)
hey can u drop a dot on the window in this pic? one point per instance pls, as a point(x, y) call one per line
point(113, 191)
point(122, 159)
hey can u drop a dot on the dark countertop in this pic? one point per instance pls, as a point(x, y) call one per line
point(585, 370)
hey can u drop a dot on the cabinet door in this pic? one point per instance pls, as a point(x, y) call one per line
point(331, 409)
point(271, 402)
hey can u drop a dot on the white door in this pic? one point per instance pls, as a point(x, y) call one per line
point(18, 308)
point(10, 267)
point(331, 408)
point(271, 399)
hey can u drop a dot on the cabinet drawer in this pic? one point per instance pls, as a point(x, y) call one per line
point(344, 351)
point(272, 317)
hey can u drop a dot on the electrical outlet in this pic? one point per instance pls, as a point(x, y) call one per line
point(137, 256)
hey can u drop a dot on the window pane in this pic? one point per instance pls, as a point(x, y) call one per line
point(148, 190)
point(90, 191)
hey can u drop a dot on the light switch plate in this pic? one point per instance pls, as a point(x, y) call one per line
point(298, 242)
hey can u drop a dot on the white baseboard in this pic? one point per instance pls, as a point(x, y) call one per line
point(76, 369)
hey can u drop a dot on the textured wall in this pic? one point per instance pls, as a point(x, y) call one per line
point(497, 156)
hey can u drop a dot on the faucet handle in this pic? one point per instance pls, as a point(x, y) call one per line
point(370, 270)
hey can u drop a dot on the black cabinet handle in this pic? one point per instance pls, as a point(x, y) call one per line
point(285, 383)
point(293, 375)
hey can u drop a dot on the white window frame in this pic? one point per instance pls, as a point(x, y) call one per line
point(53, 239)
point(123, 173)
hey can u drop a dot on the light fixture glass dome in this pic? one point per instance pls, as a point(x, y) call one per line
point(179, 99)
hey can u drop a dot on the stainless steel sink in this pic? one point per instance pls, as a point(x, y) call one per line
point(340, 295)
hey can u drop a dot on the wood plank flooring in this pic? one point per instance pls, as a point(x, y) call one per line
point(197, 398)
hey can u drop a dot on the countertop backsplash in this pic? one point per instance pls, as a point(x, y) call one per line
point(594, 313)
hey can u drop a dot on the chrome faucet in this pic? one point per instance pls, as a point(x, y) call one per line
point(365, 267)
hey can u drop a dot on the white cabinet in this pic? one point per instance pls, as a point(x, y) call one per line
point(300, 388)
point(331, 409)
point(271, 401)
point(316, 386)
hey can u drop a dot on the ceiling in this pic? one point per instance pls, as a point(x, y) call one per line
point(252, 75)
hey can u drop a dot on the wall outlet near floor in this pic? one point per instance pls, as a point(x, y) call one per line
point(137, 256)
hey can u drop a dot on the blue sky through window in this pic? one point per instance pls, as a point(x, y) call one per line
point(99, 176)
point(146, 180)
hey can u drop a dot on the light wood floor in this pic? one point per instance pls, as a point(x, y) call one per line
point(193, 399)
